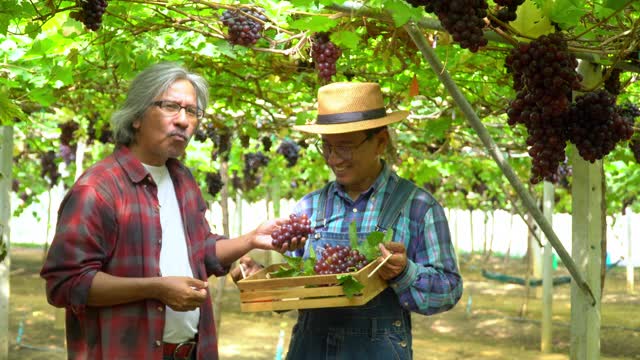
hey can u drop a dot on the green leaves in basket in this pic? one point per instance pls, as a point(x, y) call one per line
point(369, 247)
point(297, 266)
point(350, 285)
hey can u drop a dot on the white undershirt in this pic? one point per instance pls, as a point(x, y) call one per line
point(174, 258)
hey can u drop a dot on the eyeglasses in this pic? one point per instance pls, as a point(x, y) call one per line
point(344, 152)
point(173, 108)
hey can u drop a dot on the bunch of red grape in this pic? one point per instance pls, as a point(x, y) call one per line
point(49, 167)
point(289, 149)
point(612, 83)
point(252, 163)
point(296, 228)
point(339, 259)
point(508, 11)
point(67, 144)
point(92, 11)
point(266, 143)
point(544, 76)
point(325, 54)
point(214, 183)
point(105, 132)
point(463, 19)
point(242, 26)
point(595, 126)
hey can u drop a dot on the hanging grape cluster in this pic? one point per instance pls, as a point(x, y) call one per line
point(595, 125)
point(242, 28)
point(91, 14)
point(49, 168)
point(544, 76)
point(252, 164)
point(630, 112)
point(266, 143)
point(214, 183)
point(612, 83)
point(67, 144)
point(463, 19)
point(105, 134)
point(325, 54)
point(508, 10)
point(339, 259)
point(290, 150)
point(294, 229)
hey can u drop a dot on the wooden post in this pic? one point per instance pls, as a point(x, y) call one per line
point(6, 160)
point(224, 204)
point(546, 343)
point(630, 276)
point(586, 251)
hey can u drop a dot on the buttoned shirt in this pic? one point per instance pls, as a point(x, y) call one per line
point(109, 221)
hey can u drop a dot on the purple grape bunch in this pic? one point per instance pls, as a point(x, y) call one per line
point(339, 259)
point(296, 228)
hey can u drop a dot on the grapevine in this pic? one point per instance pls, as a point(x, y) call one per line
point(91, 14)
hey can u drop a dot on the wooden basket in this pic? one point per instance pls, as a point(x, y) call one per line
point(260, 293)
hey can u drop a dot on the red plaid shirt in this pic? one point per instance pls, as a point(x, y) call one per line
point(109, 221)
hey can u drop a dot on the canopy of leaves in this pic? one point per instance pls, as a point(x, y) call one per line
point(53, 70)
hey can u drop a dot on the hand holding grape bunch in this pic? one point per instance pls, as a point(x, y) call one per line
point(296, 229)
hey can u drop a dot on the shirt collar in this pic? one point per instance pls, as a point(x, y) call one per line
point(133, 167)
point(375, 188)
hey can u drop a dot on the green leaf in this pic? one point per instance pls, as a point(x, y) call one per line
point(346, 39)
point(369, 248)
point(532, 20)
point(615, 4)
point(353, 235)
point(314, 24)
point(402, 12)
point(350, 285)
point(567, 13)
point(43, 96)
point(388, 236)
point(284, 272)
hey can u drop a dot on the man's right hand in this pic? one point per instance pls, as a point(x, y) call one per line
point(182, 293)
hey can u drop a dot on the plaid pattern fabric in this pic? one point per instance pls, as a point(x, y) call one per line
point(431, 282)
point(109, 221)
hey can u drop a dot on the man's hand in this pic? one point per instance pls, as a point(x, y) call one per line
point(245, 268)
point(182, 293)
point(263, 237)
point(396, 264)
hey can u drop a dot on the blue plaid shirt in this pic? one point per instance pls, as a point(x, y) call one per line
point(431, 282)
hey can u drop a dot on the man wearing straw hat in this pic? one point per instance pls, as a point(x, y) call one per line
point(422, 273)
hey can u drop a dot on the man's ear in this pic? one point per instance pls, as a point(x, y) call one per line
point(383, 141)
point(136, 124)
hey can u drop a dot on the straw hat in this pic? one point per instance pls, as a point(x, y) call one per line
point(349, 106)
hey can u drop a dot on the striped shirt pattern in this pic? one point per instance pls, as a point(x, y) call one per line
point(431, 282)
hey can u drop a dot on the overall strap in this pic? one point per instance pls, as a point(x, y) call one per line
point(321, 216)
point(401, 192)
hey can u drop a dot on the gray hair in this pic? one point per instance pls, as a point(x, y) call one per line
point(150, 83)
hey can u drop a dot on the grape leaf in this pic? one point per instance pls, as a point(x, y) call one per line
point(350, 285)
point(284, 271)
point(353, 235)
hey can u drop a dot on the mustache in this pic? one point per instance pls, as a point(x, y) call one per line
point(182, 134)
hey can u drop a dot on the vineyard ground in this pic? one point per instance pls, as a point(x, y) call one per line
point(487, 327)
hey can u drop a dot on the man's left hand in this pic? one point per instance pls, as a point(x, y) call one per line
point(396, 264)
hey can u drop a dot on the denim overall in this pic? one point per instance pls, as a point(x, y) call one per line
point(378, 330)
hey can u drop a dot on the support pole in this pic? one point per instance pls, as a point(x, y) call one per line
point(546, 335)
point(6, 159)
point(492, 148)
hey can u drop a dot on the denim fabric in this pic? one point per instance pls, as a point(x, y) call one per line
point(378, 330)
